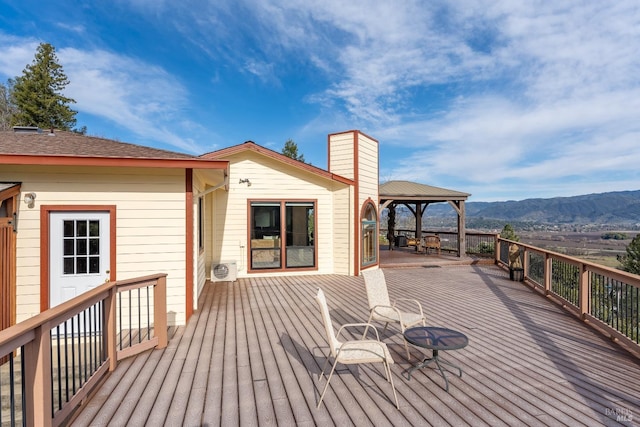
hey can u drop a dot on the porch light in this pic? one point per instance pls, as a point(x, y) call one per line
point(29, 199)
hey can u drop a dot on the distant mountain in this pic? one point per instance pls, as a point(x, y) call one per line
point(619, 207)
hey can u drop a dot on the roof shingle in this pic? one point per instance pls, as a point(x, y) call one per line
point(63, 143)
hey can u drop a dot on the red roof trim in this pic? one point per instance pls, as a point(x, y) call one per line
point(195, 163)
point(252, 146)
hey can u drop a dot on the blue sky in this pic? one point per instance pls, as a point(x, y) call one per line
point(505, 100)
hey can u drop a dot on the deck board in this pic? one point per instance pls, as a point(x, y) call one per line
point(252, 354)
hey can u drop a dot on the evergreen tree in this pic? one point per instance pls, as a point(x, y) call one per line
point(631, 261)
point(6, 108)
point(509, 233)
point(37, 94)
point(291, 150)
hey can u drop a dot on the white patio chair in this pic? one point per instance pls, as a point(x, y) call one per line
point(353, 351)
point(382, 310)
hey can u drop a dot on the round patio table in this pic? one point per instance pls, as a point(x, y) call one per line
point(437, 339)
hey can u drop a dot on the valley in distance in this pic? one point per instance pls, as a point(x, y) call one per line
point(593, 227)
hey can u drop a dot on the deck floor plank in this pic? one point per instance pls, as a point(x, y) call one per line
point(253, 352)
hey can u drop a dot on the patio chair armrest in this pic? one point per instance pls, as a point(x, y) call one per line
point(392, 307)
point(411, 300)
point(366, 325)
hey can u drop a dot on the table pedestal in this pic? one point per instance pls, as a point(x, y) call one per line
point(437, 361)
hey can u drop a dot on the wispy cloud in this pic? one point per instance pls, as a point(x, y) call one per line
point(526, 91)
point(139, 97)
point(482, 95)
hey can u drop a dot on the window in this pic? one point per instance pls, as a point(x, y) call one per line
point(369, 241)
point(81, 247)
point(282, 244)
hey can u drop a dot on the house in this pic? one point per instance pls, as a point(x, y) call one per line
point(76, 211)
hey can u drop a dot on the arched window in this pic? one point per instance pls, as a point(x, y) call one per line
point(369, 239)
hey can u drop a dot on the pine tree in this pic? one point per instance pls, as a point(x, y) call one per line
point(291, 150)
point(631, 261)
point(509, 233)
point(37, 94)
point(6, 108)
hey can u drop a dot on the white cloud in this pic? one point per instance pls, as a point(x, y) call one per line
point(476, 93)
point(139, 97)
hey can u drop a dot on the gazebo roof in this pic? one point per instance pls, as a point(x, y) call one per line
point(400, 191)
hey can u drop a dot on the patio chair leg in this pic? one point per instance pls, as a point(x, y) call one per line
point(395, 396)
point(406, 347)
point(323, 368)
point(326, 386)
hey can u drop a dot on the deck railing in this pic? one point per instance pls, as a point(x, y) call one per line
point(606, 298)
point(52, 361)
point(481, 244)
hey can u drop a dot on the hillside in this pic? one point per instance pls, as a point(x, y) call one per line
point(620, 207)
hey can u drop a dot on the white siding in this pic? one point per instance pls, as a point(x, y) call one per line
point(342, 155)
point(343, 231)
point(270, 179)
point(367, 169)
point(150, 223)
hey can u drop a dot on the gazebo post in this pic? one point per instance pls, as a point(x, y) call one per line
point(462, 232)
point(418, 234)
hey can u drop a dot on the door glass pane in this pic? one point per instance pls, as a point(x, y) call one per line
point(265, 242)
point(300, 223)
point(94, 228)
point(68, 247)
point(81, 228)
point(94, 246)
point(81, 245)
point(67, 265)
point(94, 264)
point(68, 227)
point(81, 265)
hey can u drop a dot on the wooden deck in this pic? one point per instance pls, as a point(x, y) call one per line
point(252, 354)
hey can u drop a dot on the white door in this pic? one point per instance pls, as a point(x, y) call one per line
point(79, 253)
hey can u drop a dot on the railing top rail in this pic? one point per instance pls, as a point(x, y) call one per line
point(620, 275)
point(20, 334)
point(148, 278)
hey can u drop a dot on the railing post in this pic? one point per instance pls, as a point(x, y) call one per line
point(583, 286)
point(37, 367)
point(548, 266)
point(110, 325)
point(160, 311)
point(496, 245)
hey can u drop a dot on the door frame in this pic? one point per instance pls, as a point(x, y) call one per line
point(45, 210)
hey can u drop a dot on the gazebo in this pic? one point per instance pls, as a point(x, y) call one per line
point(416, 197)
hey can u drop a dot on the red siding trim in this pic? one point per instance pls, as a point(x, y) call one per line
point(356, 218)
